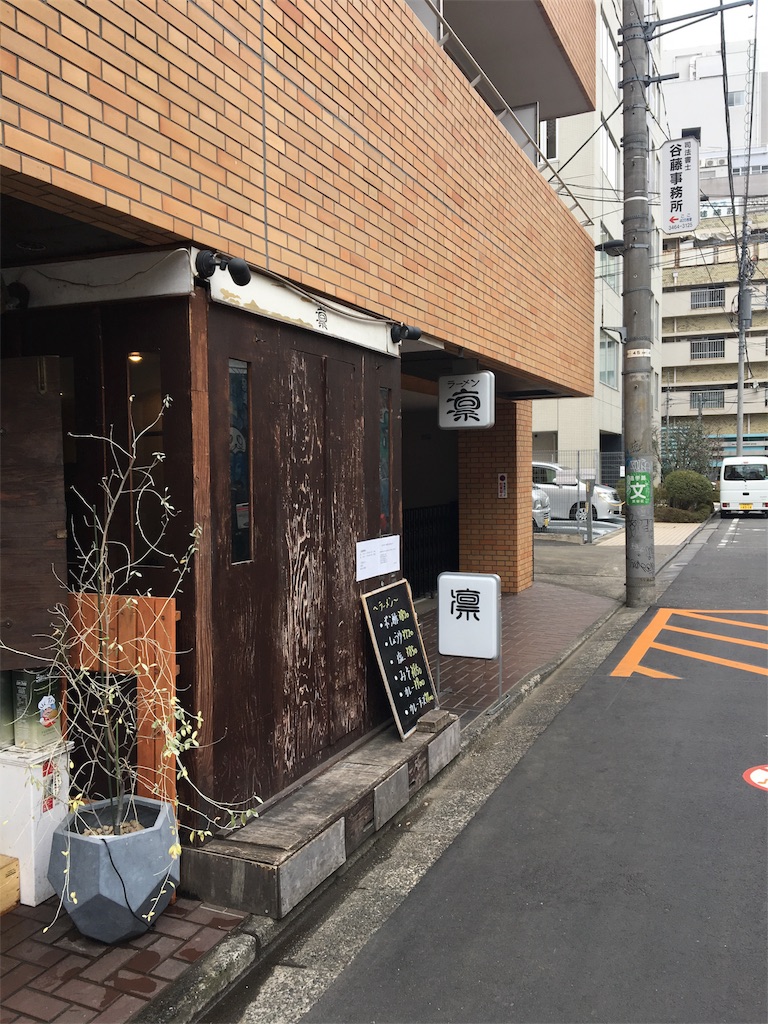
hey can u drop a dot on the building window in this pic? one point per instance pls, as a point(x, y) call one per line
point(707, 399)
point(609, 54)
point(239, 461)
point(708, 348)
point(656, 390)
point(610, 266)
point(548, 138)
point(609, 360)
point(705, 298)
point(609, 156)
point(736, 99)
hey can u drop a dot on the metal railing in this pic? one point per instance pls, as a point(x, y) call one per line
point(587, 464)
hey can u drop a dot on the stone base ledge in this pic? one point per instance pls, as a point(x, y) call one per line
point(270, 865)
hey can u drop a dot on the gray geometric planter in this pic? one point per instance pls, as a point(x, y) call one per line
point(114, 887)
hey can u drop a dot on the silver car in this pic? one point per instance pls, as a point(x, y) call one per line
point(540, 509)
point(568, 495)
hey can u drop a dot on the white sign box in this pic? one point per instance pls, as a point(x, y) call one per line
point(467, 401)
point(680, 185)
point(468, 614)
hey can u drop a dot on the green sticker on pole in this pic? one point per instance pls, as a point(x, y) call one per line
point(638, 488)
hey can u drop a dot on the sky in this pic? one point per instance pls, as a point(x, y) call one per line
point(739, 23)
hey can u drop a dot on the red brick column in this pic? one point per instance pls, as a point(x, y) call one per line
point(495, 534)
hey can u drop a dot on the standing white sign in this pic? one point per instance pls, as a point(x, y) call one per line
point(467, 401)
point(680, 185)
point(469, 614)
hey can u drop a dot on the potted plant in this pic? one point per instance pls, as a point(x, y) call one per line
point(114, 860)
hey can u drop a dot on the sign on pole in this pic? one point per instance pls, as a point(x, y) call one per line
point(467, 400)
point(680, 185)
point(468, 614)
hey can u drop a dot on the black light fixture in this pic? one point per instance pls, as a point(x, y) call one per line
point(402, 332)
point(206, 262)
point(612, 247)
point(15, 295)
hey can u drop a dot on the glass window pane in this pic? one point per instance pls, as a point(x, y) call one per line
point(239, 461)
point(148, 518)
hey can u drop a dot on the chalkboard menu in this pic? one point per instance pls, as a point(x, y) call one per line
point(399, 649)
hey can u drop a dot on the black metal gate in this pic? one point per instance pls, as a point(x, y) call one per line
point(430, 546)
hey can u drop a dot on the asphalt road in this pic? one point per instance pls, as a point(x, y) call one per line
point(602, 858)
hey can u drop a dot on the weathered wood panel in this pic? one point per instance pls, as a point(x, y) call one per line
point(196, 632)
point(245, 622)
point(33, 539)
point(346, 526)
point(304, 597)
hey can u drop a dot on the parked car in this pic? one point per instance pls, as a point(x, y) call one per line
point(568, 494)
point(541, 509)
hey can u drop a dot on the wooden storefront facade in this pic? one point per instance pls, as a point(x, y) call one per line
point(281, 457)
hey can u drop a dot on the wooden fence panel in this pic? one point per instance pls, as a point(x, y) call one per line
point(135, 636)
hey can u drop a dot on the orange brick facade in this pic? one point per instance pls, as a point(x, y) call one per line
point(495, 532)
point(353, 159)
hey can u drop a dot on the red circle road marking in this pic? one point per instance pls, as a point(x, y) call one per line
point(757, 776)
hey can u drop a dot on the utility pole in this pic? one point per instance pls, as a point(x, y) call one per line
point(637, 375)
point(746, 270)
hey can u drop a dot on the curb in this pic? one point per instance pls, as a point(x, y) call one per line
point(187, 998)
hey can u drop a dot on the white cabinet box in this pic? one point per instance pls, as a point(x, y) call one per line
point(34, 792)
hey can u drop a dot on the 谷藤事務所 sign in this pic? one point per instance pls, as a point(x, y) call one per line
point(680, 185)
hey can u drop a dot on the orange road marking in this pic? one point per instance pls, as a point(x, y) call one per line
point(730, 622)
point(631, 661)
point(649, 639)
point(654, 673)
point(711, 658)
point(718, 636)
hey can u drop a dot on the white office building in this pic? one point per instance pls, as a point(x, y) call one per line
point(586, 433)
point(724, 103)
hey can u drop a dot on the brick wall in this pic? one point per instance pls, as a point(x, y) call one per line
point(495, 534)
point(354, 159)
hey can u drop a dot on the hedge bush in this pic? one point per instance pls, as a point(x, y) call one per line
point(688, 491)
point(667, 514)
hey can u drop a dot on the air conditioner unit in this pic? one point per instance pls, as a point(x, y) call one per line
point(709, 163)
point(722, 163)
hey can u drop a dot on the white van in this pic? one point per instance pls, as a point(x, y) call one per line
point(744, 485)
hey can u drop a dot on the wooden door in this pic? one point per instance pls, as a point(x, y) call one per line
point(289, 503)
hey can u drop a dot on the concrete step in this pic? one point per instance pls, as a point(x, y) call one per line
point(271, 864)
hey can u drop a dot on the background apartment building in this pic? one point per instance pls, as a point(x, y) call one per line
point(586, 433)
point(723, 100)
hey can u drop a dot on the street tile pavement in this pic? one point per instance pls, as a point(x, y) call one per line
point(538, 626)
point(49, 972)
